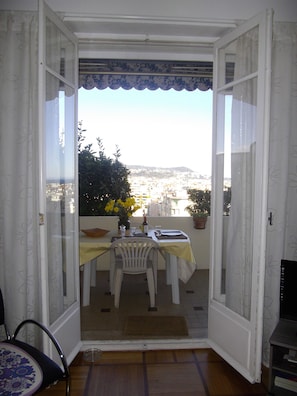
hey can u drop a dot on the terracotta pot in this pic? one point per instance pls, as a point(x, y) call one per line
point(199, 222)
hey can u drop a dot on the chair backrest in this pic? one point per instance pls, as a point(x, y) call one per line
point(135, 253)
point(2, 319)
point(2, 316)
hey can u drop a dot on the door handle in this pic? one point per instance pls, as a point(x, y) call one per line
point(270, 219)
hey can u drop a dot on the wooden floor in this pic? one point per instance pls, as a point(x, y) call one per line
point(199, 372)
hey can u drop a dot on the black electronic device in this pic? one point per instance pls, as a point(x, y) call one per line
point(288, 290)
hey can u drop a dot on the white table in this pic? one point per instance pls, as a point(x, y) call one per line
point(180, 261)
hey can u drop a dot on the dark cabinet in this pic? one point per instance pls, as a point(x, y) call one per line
point(283, 359)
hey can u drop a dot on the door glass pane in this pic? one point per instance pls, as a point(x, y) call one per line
point(227, 182)
point(236, 155)
point(241, 57)
point(60, 52)
point(60, 195)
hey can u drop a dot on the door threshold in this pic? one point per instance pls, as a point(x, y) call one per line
point(145, 345)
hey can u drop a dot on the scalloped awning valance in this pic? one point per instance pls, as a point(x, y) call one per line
point(139, 74)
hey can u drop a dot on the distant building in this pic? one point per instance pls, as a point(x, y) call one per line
point(162, 192)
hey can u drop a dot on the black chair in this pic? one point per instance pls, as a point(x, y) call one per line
point(51, 371)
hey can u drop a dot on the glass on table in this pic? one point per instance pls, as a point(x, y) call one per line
point(123, 230)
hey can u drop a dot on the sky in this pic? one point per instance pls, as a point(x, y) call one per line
point(154, 128)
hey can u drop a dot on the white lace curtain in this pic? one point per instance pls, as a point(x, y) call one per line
point(239, 249)
point(19, 264)
point(282, 194)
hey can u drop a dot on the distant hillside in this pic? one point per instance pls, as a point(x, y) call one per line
point(154, 168)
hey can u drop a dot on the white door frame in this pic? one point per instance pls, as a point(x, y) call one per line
point(67, 327)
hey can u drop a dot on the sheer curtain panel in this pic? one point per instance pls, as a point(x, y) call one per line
point(282, 194)
point(19, 267)
point(239, 248)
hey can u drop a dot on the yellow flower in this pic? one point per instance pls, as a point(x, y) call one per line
point(124, 209)
point(110, 206)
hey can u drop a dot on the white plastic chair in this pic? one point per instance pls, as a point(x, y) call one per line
point(134, 255)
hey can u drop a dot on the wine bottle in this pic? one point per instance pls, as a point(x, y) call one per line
point(145, 225)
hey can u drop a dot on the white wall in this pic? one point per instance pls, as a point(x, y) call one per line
point(202, 9)
point(285, 10)
point(199, 238)
point(158, 30)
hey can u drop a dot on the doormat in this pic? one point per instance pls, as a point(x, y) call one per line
point(155, 326)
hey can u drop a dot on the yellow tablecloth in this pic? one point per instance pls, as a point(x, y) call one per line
point(178, 254)
point(182, 250)
point(90, 248)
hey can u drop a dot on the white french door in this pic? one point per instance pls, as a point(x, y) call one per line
point(240, 163)
point(58, 182)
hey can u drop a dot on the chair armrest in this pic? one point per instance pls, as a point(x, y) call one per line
point(52, 338)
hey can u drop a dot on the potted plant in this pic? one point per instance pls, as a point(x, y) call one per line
point(200, 207)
